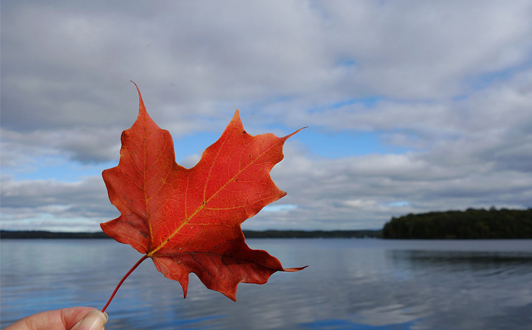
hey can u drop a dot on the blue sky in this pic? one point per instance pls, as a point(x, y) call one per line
point(411, 106)
point(332, 145)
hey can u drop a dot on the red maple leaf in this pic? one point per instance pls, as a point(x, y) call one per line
point(188, 220)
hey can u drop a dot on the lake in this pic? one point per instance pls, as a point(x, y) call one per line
point(363, 284)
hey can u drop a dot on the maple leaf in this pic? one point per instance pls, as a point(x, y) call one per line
point(188, 220)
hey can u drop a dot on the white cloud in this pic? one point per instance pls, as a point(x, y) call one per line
point(279, 208)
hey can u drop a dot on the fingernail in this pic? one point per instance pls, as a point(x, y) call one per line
point(95, 320)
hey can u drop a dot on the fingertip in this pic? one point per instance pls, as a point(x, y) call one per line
point(94, 320)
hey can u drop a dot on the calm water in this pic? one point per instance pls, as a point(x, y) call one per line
point(350, 284)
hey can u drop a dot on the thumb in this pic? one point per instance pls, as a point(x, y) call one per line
point(94, 320)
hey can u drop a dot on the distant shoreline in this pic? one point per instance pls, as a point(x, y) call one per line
point(468, 224)
point(28, 234)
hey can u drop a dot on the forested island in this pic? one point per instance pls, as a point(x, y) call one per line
point(247, 233)
point(469, 224)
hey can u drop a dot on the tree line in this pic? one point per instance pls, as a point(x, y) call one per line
point(247, 233)
point(469, 224)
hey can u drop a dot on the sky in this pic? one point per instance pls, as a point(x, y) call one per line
point(411, 106)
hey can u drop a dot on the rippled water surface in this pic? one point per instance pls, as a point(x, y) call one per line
point(350, 284)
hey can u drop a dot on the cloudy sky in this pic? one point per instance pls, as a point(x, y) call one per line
point(411, 106)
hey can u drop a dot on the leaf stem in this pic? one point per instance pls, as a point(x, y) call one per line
point(144, 257)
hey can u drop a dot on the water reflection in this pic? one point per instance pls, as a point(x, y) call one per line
point(478, 263)
point(350, 284)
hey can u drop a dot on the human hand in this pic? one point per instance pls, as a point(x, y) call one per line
point(74, 318)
